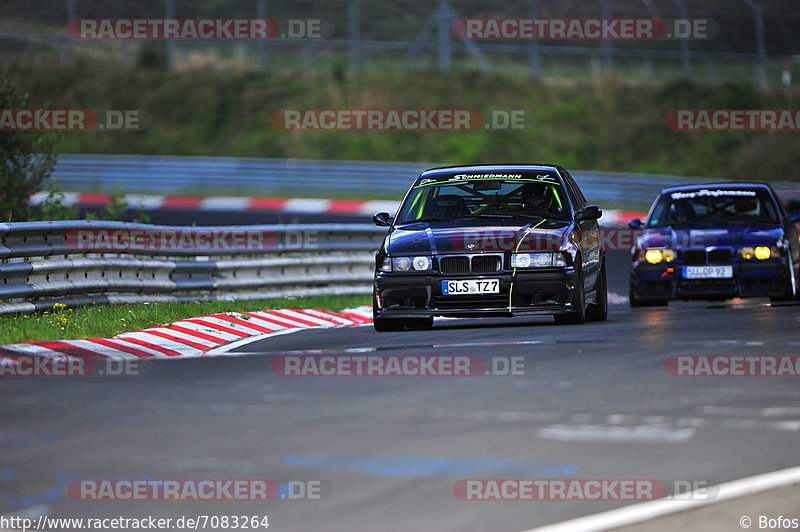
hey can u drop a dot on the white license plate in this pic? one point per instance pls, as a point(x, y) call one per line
point(472, 286)
point(707, 272)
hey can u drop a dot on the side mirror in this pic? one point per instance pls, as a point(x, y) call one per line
point(382, 219)
point(636, 223)
point(590, 212)
point(793, 217)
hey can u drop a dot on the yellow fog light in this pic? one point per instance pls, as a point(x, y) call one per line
point(653, 256)
point(668, 255)
point(763, 252)
point(746, 253)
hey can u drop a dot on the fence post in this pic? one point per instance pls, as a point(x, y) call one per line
point(761, 68)
point(683, 13)
point(263, 54)
point(354, 33)
point(649, 72)
point(608, 49)
point(169, 47)
point(534, 58)
point(442, 16)
point(72, 13)
point(709, 71)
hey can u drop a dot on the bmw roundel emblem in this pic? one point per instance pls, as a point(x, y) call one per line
point(471, 246)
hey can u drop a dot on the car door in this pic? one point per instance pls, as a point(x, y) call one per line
point(588, 235)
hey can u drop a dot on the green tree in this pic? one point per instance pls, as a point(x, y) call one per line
point(26, 159)
point(53, 207)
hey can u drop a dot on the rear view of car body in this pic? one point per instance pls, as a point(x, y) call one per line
point(730, 252)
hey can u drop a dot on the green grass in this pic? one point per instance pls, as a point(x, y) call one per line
point(105, 322)
point(599, 125)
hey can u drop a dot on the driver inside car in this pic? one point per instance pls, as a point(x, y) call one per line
point(534, 197)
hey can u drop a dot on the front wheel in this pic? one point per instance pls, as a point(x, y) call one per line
point(578, 315)
point(789, 292)
point(599, 310)
point(634, 300)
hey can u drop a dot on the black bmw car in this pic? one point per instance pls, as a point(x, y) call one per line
point(491, 240)
point(715, 242)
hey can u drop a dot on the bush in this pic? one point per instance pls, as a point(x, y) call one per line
point(27, 158)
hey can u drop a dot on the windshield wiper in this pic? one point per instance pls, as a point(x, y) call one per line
point(507, 215)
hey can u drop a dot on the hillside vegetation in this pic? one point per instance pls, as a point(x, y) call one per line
point(584, 125)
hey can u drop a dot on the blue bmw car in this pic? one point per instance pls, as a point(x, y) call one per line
point(715, 241)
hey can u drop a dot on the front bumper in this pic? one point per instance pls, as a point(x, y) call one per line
point(750, 279)
point(546, 291)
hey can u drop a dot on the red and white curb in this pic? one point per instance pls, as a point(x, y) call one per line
point(229, 203)
point(611, 217)
point(195, 337)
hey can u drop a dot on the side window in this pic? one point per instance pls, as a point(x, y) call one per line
point(581, 199)
point(575, 195)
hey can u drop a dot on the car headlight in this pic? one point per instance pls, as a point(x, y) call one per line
point(758, 252)
point(407, 264)
point(421, 263)
point(537, 260)
point(386, 266)
point(654, 256)
point(401, 264)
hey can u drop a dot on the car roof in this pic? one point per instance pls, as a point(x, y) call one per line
point(443, 170)
point(729, 185)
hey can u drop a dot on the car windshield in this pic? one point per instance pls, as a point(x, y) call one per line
point(536, 197)
point(714, 207)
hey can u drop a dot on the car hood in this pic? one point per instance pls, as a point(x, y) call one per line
point(710, 236)
point(478, 237)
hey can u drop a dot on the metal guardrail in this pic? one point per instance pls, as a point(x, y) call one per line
point(253, 176)
point(81, 262)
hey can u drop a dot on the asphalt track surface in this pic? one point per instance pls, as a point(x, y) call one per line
point(594, 402)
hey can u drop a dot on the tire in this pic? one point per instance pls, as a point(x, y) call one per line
point(634, 300)
point(578, 315)
point(787, 295)
point(383, 324)
point(599, 311)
